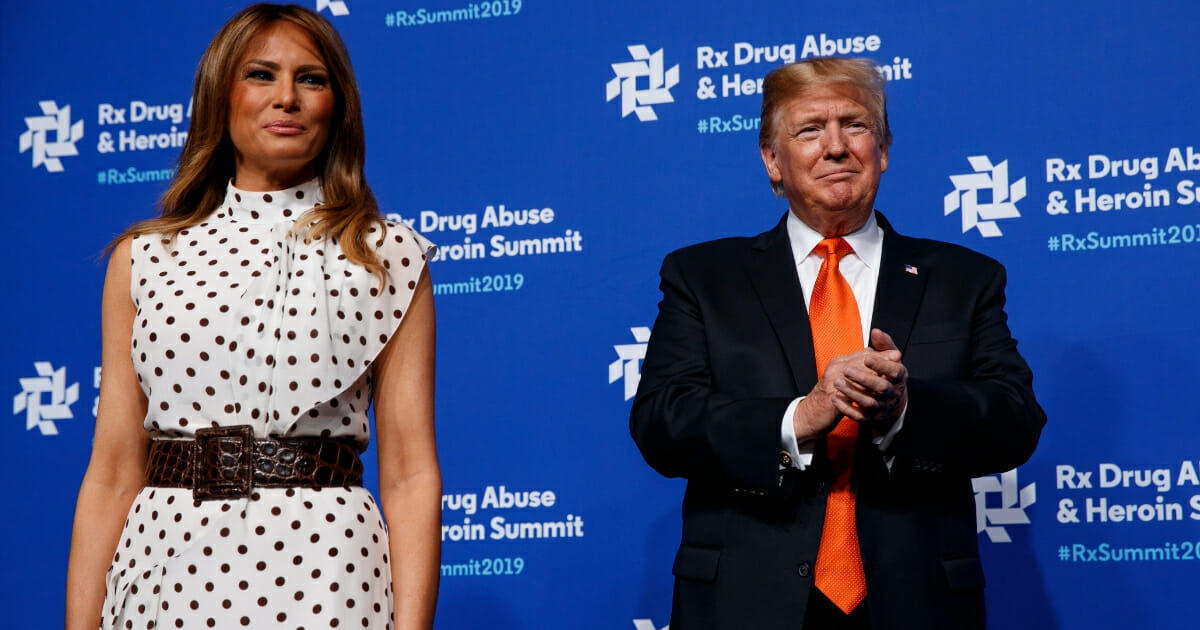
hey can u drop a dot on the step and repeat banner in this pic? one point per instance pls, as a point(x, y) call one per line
point(556, 151)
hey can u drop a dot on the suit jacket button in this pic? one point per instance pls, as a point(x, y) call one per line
point(805, 569)
point(819, 487)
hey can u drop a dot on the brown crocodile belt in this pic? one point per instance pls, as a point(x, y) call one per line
point(227, 462)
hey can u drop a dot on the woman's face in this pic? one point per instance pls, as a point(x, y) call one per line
point(280, 107)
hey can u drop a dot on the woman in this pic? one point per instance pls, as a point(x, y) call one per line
point(244, 333)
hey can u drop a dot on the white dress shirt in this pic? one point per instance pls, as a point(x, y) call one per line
point(861, 270)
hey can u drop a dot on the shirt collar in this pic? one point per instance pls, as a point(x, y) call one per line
point(270, 207)
point(866, 241)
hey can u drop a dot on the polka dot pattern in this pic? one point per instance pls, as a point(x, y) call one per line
point(240, 322)
point(212, 565)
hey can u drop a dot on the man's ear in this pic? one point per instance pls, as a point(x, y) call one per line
point(768, 158)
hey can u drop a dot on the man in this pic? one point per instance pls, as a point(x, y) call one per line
point(829, 388)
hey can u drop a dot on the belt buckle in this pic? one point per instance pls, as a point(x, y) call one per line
point(224, 466)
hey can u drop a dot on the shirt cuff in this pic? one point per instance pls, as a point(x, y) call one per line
point(799, 451)
point(884, 442)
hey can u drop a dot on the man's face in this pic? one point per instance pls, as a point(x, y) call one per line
point(827, 156)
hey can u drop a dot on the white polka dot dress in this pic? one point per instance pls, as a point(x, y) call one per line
point(240, 322)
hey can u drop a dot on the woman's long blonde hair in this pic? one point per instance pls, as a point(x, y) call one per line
point(207, 161)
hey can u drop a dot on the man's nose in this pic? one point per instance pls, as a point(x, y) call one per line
point(835, 142)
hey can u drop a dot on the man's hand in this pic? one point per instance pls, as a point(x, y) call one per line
point(870, 385)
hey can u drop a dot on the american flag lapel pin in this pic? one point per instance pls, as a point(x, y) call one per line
point(910, 269)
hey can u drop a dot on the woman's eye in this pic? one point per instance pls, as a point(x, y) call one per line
point(314, 79)
point(260, 75)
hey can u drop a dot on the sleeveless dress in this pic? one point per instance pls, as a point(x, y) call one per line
point(241, 323)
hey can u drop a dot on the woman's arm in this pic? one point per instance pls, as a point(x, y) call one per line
point(410, 482)
point(116, 471)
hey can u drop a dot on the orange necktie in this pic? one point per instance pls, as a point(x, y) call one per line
point(836, 328)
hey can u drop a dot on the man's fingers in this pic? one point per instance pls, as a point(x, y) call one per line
point(867, 399)
point(882, 341)
point(846, 408)
point(871, 393)
point(872, 381)
point(890, 369)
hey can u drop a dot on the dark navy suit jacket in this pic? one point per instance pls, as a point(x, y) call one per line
point(730, 349)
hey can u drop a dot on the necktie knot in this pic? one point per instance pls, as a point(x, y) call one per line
point(836, 247)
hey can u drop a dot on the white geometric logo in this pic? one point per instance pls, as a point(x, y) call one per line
point(1013, 503)
point(646, 624)
point(629, 363)
point(65, 136)
point(636, 100)
point(1003, 196)
point(40, 413)
point(336, 7)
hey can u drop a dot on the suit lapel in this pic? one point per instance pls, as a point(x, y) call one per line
point(772, 271)
point(902, 280)
point(898, 294)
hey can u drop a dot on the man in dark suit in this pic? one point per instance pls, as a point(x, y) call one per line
point(829, 486)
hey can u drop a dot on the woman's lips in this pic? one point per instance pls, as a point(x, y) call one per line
point(285, 127)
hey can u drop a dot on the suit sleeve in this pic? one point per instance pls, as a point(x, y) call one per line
point(684, 425)
point(986, 422)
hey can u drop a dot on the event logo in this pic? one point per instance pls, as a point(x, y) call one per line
point(66, 135)
point(647, 624)
point(38, 412)
point(658, 83)
point(1012, 504)
point(629, 363)
point(990, 179)
point(336, 7)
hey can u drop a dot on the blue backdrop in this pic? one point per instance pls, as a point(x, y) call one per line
point(556, 151)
